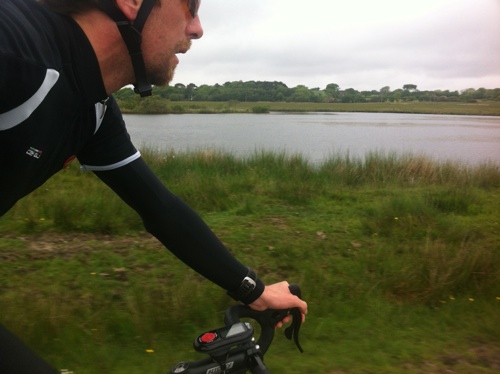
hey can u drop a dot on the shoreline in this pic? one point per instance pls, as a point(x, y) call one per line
point(486, 108)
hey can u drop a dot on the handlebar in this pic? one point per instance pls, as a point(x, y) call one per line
point(232, 348)
point(267, 319)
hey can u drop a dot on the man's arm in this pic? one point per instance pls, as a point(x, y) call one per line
point(187, 236)
point(177, 226)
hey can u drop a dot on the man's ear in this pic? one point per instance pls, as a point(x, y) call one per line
point(129, 8)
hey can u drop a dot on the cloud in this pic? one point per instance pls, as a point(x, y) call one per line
point(436, 44)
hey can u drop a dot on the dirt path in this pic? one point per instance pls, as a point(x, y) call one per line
point(63, 245)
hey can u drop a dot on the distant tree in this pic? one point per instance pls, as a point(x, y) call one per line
point(396, 95)
point(189, 91)
point(384, 92)
point(332, 87)
point(480, 93)
point(127, 99)
point(301, 94)
point(494, 94)
point(467, 94)
point(202, 93)
point(351, 95)
point(124, 94)
point(410, 87)
point(254, 91)
point(332, 92)
point(468, 91)
point(164, 91)
point(282, 92)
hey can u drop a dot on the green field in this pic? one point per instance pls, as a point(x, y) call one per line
point(157, 105)
point(397, 256)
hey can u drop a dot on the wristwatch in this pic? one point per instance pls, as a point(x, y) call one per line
point(248, 284)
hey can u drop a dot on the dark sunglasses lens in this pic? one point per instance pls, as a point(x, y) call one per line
point(193, 7)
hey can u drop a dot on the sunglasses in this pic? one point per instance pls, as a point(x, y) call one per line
point(193, 7)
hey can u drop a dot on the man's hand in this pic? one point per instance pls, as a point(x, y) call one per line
point(278, 296)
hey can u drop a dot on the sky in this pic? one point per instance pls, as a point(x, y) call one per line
point(360, 44)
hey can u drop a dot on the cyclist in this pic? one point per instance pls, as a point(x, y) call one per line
point(60, 60)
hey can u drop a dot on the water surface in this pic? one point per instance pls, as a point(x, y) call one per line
point(317, 136)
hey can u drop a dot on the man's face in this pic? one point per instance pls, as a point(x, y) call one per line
point(169, 30)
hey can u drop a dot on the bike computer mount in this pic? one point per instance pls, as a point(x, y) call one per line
point(218, 342)
point(222, 344)
point(233, 349)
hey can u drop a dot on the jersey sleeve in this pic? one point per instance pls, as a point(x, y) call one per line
point(110, 147)
point(177, 226)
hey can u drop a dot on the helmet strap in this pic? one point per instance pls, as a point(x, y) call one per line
point(132, 36)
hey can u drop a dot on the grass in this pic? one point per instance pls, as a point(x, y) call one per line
point(398, 257)
point(481, 108)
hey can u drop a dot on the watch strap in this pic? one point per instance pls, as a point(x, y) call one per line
point(249, 290)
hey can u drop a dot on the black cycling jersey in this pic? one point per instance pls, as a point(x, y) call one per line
point(53, 102)
point(54, 107)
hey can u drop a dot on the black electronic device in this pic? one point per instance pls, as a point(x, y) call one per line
point(224, 338)
point(233, 348)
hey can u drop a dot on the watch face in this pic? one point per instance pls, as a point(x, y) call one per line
point(247, 285)
point(250, 283)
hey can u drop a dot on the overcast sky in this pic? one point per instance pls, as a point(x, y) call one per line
point(360, 44)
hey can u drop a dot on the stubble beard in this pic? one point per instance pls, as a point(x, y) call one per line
point(161, 76)
point(162, 73)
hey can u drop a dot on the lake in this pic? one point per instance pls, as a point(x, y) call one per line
point(317, 136)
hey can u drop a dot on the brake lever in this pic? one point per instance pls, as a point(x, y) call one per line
point(292, 331)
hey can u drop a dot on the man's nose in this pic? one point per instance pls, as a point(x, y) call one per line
point(194, 29)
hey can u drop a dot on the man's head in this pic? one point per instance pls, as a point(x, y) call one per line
point(70, 7)
point(169, 29)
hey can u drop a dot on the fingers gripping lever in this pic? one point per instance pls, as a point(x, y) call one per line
point(292, 331)
point(268, 320)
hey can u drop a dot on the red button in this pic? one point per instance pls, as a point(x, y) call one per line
point(208, 337)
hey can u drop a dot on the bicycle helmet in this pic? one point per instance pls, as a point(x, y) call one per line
point(132, 36)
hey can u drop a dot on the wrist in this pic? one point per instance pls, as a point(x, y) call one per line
point(249, 290)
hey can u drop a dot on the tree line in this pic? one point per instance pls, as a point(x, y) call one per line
point(255, 91)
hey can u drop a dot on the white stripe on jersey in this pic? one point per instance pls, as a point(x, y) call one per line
point(117, 165)
point(100, 111)
point(21, 113)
